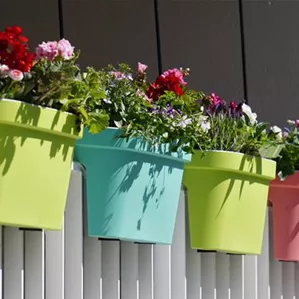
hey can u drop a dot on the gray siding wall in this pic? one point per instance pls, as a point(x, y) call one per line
point(236, 48)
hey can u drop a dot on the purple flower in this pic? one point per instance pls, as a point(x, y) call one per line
point(167, 111)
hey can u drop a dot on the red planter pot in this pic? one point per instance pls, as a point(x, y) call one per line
point(284, 198)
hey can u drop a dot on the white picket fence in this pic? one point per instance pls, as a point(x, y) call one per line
point(67, 265)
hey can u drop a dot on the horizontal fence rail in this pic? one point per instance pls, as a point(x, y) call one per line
point(66, 265)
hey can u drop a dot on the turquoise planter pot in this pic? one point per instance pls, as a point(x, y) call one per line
point(132, 189)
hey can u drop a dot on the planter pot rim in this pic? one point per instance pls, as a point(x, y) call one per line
point(108, 139)
point(290, 182)
point(233, 162)
point(35, 117)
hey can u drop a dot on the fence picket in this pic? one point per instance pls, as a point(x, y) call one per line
point(250, 277)
point(34, 264)
point(236, 277)
point(208, 278)
point(288, 282)
point(54, 264)
point(275, 267)
point(129, 270)
point(145, 271)
point(111, 269)
point(13, 270)
point(73, 232)
point(263, 265)
point(162, 272)
point(222, 279)
point(178, 253)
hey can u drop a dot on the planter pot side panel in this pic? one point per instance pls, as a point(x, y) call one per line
point(132, 194)
point(284, 197)
point(227, 199)
point(36, 151)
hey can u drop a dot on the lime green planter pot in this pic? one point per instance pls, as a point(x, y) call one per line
point(227, 200)
point(36, 151)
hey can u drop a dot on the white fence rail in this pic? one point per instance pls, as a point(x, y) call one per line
point(67, 265)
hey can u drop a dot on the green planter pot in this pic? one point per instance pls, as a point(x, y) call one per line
point(227, 200)
point(132, 188)
point(36, 151)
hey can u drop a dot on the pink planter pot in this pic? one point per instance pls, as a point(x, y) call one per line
point(284, 198)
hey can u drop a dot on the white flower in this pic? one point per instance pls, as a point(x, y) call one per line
point(165, 135)
point(291, 122)
point(107, 101)
point(252, 116)
point(184, 122)
point(204, 124)
point(276, 130)
point(4, 69)
point(16, 75)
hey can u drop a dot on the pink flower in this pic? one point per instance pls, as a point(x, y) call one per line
point(142, 67)
point(175, 73)
point(119, 75)
point(66, 50)
point(4, 69)
point(143, 95)
point(297, 123)
point(215, 100)
point(47, 50)
point(16, 75)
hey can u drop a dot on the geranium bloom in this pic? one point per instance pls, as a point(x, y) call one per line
point(47, 50)
point(171, 80)
point(14, 50)
point(50, 50)
point(66, 50)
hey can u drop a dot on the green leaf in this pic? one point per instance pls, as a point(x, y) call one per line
point(98, 123)
point(83, 112)
point(271, 151)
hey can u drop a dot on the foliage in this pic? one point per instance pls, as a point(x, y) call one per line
point(234, 128)
point(50, 78)
point(162, 112)
point(288, 160)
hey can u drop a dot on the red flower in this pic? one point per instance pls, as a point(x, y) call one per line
point(171, 80)
point(14, 50)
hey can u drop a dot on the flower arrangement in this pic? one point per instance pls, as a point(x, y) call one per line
point(49, 77)
point(232, 127)
point(288, 140)
point(164, 111)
